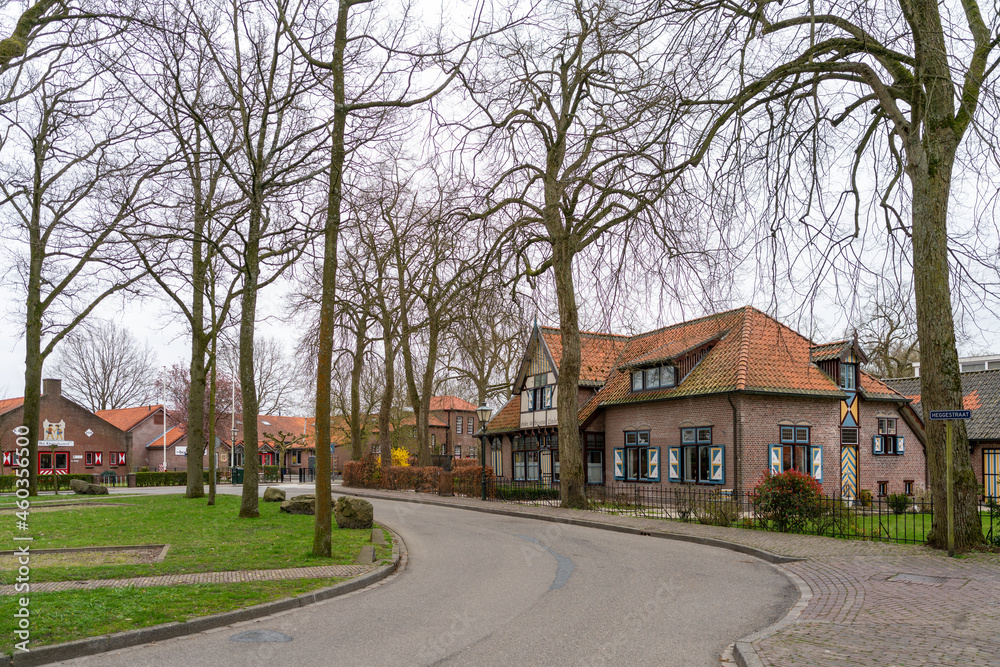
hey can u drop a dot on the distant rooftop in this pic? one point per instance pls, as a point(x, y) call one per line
point(990, 362)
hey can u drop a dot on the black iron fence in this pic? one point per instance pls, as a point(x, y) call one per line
point(894, 518)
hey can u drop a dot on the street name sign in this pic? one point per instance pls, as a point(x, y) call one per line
point(941, 415)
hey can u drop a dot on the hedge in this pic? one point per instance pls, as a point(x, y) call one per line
point(368, 474)
point(44, 481)
point(169, 478)
point(468, 480)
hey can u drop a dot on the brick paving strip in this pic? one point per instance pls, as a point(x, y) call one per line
point(862, 603)
point(234, 577)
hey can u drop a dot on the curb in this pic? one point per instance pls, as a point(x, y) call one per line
point(591, 523)
point(743, 650)
point(119, 640)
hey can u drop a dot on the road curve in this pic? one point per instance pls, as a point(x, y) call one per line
point(481, 589)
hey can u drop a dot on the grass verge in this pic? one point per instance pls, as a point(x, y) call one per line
point(68, 615)
point(201, 538)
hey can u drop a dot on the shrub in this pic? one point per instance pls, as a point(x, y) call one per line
point(422, 479)
point(464, 463)
point(400, 457)
point(788, 500)
point(899, 502)
point(468, 480)
point(365, 474)
point(717, 510)
point(271, 473)
point(511, 492)
point(170, 478)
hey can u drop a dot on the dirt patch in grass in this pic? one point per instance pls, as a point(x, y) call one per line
point(80, 558)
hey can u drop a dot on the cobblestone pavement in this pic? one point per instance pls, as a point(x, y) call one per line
point(318, 572)
point(872, 603)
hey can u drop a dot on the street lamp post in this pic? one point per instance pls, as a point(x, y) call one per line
point(484, 414)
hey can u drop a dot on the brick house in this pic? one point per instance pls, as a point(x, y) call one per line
point(74, 440)
point(981, 395)
point(282, 440)
point(713, 403)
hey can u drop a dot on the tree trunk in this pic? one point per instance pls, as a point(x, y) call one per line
point(199, 348)
point(248, 388)
point(940, 380)
point(322, 534)
point(33, 379)
point(385, 407)
point(930, 159)
point(571, 480)
point(211, 423)
point(357, 419)
point(423, 416)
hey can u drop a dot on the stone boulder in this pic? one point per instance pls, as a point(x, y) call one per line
point(273, 495)
point(81, 487)
point(304, 504)
point(353, 512)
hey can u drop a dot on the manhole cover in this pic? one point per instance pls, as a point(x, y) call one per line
point(260, 636)
point(919, 579)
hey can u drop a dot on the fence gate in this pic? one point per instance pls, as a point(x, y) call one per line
point(991, 473)
point(849, 472)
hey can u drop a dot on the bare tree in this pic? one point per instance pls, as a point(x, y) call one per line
point(576, 114)
point(276, 379)
point(74, 173)
point(104, 367)
point(782, 89)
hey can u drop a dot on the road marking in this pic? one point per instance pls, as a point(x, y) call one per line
point(565, 569)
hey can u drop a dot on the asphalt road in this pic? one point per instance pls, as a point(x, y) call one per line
point(480, 589)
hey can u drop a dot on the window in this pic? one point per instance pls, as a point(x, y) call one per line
point(887, 441)
point(883, 488)
point(547, 397)
point(658, 377)
point(458, 424)
point(637, 462)
point(458, 451)
point(795, 448)
point(468, 423)
point(45, 462)
point(540, 398)
point(848, 376)
point(117, 459)
point(497, 461)
point(534, 465)
point(848, 436)
point(698, 460)
point(555, 464)
point(238, 457)
point(519, 466)
point(91, 459)
point(908, 487)
point(594, 458)
point(434, 443)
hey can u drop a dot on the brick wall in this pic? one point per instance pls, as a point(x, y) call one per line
point(890, 468)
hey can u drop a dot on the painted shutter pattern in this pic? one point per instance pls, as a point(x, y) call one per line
point(97, 458)
point(619, 463)
point(8, 458)
point(817, 464)
point(876, 444)
point(674, 464)
point(654, 464)
point(900, 445)
point(121, 458)
point(718, 468)
point(776, 455)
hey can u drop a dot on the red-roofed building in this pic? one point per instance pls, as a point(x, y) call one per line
point(73, 440)
point(715, 401)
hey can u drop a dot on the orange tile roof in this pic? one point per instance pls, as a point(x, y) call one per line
point(507, 419)
point(451, 403)
point(127, 418)
point(598, 352)
point(828, 351)
point(8, 404)
point(173, 435)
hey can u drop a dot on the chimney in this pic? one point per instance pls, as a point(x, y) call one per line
point(52, 388)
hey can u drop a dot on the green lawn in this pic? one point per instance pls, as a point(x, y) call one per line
point(65, 616)
point(201, 538)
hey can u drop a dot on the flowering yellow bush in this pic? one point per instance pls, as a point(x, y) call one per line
point(400, 457)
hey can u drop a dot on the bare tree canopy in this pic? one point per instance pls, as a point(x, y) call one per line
point(817, 112)
point(104, 367)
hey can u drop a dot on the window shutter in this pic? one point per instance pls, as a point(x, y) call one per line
point(654, 464)
point(876, 444)
point(718, 468)
point(8, 458)
point(900, 445)
point(776, 455)
point(97, 458)
point(674, 464)
point(817, 463)
point(619, 463)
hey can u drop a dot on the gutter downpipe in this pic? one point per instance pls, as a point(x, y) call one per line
point(737, 487)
